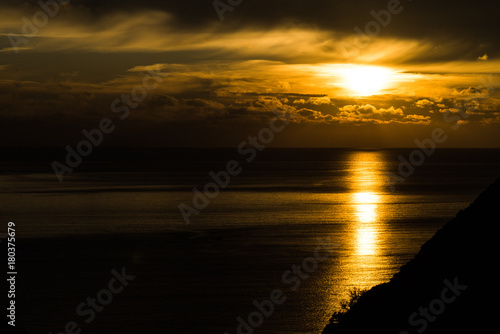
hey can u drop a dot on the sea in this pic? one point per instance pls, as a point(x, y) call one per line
point(215, 242)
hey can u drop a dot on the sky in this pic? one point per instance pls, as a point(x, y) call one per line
point(212, 73)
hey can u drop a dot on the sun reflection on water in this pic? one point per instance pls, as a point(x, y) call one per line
point(364, 257)
point(367, 227)
point(365, 204)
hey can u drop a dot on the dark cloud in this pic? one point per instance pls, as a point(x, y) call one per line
point(418, 19)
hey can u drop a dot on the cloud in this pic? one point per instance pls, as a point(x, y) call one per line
point(477, 92)
point(317, 32)
point(314, 100)
point(339, 16)
point(309, 115)
point(424, 103)
point(370, 114)
point(493, 119)
point(201, 103)
point(483, 57)
point(159, 29)
point(267, 102)
point(11, 49)
point(449, 110)
point(417, 119)
point(160, 100)
point(319, 100)
point(368, 109)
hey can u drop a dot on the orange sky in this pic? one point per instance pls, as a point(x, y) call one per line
point(220, 80)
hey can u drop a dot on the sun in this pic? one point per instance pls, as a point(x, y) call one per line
point(365, 80)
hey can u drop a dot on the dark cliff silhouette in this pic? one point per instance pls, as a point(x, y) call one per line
point(449, 287)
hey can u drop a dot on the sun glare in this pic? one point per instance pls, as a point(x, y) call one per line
point(365, 80)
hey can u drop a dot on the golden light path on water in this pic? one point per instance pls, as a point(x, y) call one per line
point(366, 182)
point(363, 260)
point(366, 212)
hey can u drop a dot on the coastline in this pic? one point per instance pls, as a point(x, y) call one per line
point(444, 289)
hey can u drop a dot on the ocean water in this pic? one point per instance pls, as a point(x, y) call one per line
point(120, 208)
